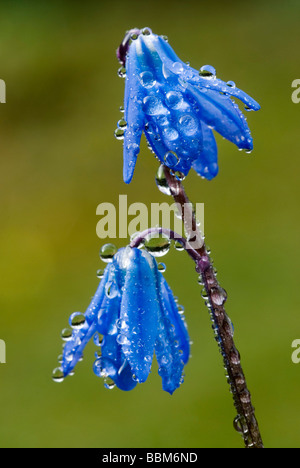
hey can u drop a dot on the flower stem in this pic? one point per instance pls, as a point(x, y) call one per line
point(215, 297)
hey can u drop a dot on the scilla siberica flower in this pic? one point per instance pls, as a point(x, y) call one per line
point(177, 107)
point(135, 312)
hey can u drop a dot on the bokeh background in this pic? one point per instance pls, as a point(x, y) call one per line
point(59, 160)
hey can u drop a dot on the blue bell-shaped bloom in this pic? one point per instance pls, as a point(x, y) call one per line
point(177, 107)
point(136, 314)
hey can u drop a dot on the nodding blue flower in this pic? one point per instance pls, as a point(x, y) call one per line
point(135, 313)
point(177, 107)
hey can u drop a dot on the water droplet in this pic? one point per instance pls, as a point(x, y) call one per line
point(165, 38)
point(161, 267)
point(228, 324)
point(204, 294)
point(134, 36)
point(100, 274)
point(170, 133)
point(231, 84)
point(245, 397)
point(235, 357)
point(179, 176)
point(58, 375)
point(60, 358)
point(248, 109)
point(200, 280)
point(207, 71)
point(188, 125)
point(146, 31)
point(157, 245)
point(178, 246)
point(180, 309)
point(121, 108)
point(152, 105)
point(98, 339)
point(111, 289)
point(151, 128)
point(122, 72)
point(161, 181)
point(77, 320)
point(171, 159)
point(122, 339)
point(122, 123)
point(177, 68)
point(119, 133)
point(174, 99)
point(240, 425)
point(109, 383)
point(218, 296)
point(66, 334)
point(147, 79)
point(107, 252)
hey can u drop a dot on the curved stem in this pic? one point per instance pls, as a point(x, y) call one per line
point(215, 297)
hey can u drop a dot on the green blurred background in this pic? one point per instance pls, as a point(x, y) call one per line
point(59, 160)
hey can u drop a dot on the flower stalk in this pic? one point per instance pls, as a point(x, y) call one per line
point(215, 297)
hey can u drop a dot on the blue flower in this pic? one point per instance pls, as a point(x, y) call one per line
point(177, 107)
point(135, 312)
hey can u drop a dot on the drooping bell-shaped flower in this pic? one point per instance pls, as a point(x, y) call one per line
point(177, 107)
point(135, 313)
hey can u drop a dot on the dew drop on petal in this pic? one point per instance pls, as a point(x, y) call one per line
point(77, 320)
point(58, 375)
point(170, 134)
point(122, 123)
point(171, 159)
point(146, 31)
point(188, 125)
point(111, 290)
point(100, 274)
point(177, 68)
point(109, 383)
point(147, 79)
point(134, 36)
point(174, 99)
point(66, 334)
point(207, 71)
point(107, 252)
point(152, 105)
point(161, 267)
point(122, 72)
point(231, 84)
point(119, 133)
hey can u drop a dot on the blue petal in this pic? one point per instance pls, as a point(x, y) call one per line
point(109, 311)
point(134, 116)
point(171, 310)
point(113, 364)
point(206, 165)
point(221, 113)
point(172, 344)
point(74, 347)
point(139, 312)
